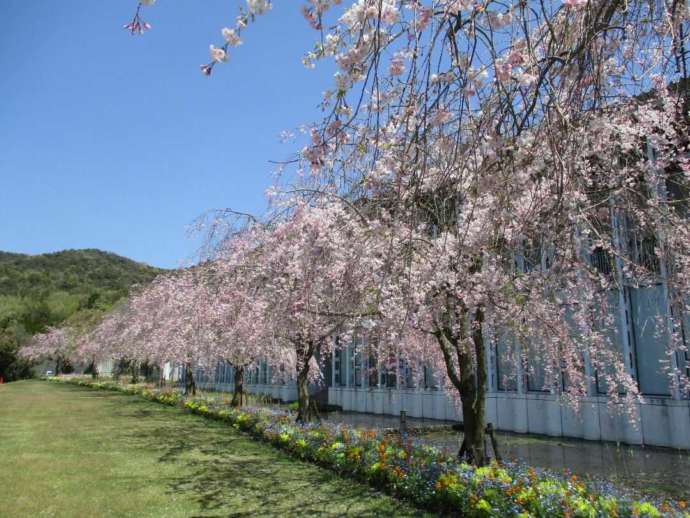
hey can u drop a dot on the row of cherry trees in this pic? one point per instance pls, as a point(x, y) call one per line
point(483, 169)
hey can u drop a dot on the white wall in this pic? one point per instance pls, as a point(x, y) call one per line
point(663, 421)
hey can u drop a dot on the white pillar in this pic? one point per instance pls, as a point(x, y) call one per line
point(335, 351)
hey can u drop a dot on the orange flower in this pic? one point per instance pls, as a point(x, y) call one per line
point(368, 434)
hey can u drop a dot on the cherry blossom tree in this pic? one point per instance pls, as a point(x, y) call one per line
point(193, 317)
point(53, 344)
point(159, 323)
point(309, 281)
point(168, 323)
point(519, 160)
point(238, 316)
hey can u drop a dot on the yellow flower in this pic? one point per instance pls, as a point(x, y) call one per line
point(447, 480)
point(483, 505)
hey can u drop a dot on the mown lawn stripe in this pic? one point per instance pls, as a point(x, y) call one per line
point(69, 451)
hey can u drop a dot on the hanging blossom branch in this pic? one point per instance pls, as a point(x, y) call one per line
point(138, 25)
point(510, 163)
point(231, 36)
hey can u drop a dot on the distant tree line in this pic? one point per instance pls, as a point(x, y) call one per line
point(72, 287)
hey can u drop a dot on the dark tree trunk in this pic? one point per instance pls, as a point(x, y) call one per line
point(134, 368)
point(148, 371)
point(306, 411)
point(473, 417)
point(58, 364)
point(473, 395)
point(470, 383)
point(189, 384)
point(238, 394)
point(304, 407)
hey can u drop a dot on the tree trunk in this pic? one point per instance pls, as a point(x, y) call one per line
point(473, 396)
point(238, 394)
point(147, 370)
point(57, 366)
point(189, 384)
point(304, 408)
point(134, 368)
point(470, 381)
point(473, 417)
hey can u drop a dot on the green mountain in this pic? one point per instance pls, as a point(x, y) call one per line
point(72, 287)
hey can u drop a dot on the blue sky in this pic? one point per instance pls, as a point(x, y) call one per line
point(118, 142)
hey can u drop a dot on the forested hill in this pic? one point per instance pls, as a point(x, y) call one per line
point(72, 287)
point(72, 271)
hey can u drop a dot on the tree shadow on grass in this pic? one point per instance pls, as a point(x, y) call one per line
point(229, 474)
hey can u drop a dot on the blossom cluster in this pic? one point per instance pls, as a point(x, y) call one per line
point(485, 174)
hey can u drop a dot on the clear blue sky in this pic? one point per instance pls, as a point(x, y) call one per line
point(118, 142)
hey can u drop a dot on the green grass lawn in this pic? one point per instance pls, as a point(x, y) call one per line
point(70, 451)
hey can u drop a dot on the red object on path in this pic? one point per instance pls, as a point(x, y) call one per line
point(2, 380)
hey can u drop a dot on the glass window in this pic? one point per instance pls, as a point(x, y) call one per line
point(651, 338)
point(536, 369)
point(373, 370)
point(390, 374)
point(613, 333)
point(429, 380)
point(406, 374)
point(340, 356)
point(356, 364)
point(507, 359)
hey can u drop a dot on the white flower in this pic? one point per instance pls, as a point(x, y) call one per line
point(455, 6)
point(309, 59)
point(526, 79)
point(342, 81)
point(575, 4)
point(217, 54)
point(231, 37)
point(258, 7)
point(397, 64)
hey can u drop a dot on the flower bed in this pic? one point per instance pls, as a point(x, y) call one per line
point(421, 474)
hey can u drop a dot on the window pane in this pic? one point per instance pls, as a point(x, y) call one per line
point(651, 337)
point(506, 361)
